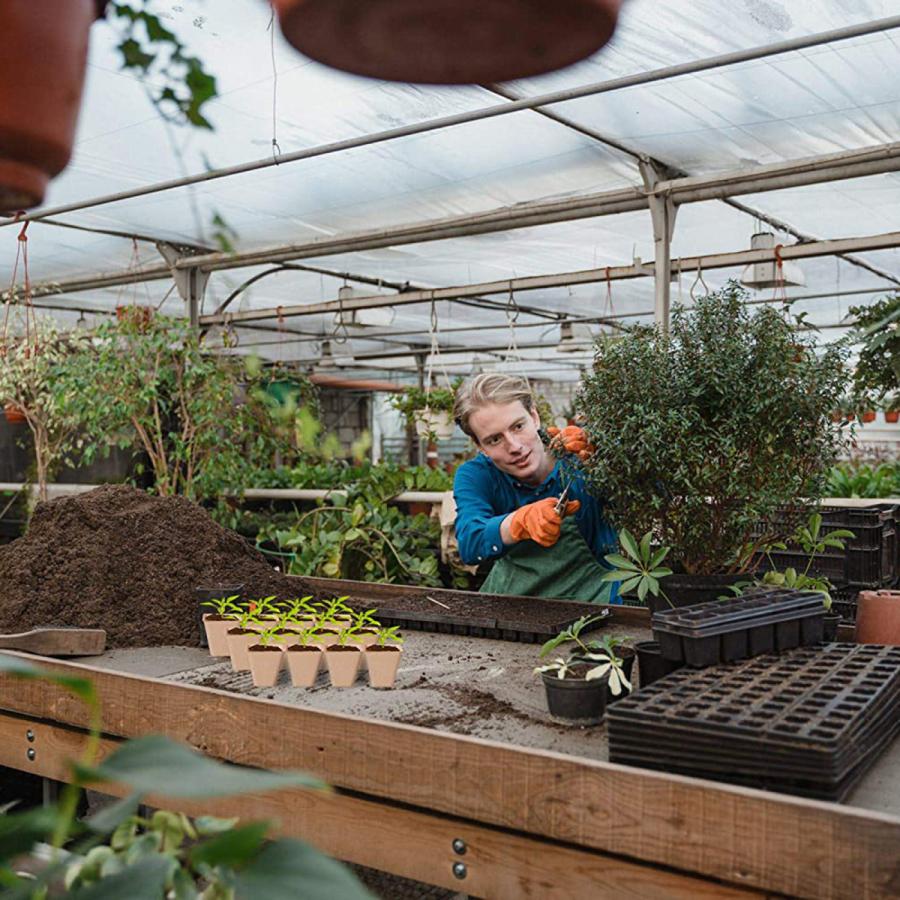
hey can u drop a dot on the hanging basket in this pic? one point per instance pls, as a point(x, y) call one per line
point(438, 423)
point(13, 414)
point(41, 76)
point(136, 316)
point(447, 41)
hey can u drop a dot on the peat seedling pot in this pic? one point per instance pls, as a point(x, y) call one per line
point(878, 617)
point(366, 637)
point(239, 641)
point(383, 663)
point(215, 632)
point(303, 664)
point(343, 664)
point(652, 664)
point(265, 664)
point(832, 620)
point(579, 701)
point(215, 592)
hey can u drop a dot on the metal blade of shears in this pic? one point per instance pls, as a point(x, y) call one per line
point(560, 507)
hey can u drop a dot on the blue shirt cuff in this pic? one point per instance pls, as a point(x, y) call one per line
point(491, 543)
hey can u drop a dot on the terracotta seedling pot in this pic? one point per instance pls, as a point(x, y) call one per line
point(304, 663)
point(383, 663)
point(217, 633)
point(447, 41)
point(325, 638)
point(41, 76)
point(239, 641)
point(265, 664)
point(878, 617)
point(343, 664)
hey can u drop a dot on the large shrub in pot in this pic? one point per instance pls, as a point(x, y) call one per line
point(703, 432)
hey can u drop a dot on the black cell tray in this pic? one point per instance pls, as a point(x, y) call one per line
point(727, 630)
point(496, 629)
point(809, 722)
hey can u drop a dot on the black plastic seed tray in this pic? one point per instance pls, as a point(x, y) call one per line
point(497, 629)
point(706, 634)
point(809, 722)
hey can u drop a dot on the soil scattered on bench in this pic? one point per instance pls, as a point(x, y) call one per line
point(127, 561)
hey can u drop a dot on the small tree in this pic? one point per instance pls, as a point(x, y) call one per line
point(34, 379)
point(706, 431)
point(203, 420)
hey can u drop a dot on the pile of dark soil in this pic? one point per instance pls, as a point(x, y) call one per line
point(120, 559)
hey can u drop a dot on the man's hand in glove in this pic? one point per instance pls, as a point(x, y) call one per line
point(571, 439)
point(540, 521)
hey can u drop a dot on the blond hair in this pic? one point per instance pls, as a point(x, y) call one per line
point(486, 389)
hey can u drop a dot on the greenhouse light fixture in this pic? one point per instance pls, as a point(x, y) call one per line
point(771, 273)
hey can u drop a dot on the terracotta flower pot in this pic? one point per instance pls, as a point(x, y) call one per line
point(869, 415)
point(878, 617)
point(12, 412)
point(239, 641)
point(343, 664)
point(447, 41)
point(265, 664)
point(892, 416)
point(41, 76)
point(217, 633)
point(383, 663)
point(304, 664)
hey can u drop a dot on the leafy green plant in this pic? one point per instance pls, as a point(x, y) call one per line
point(348, 634)
point(273, 635)
point(717, 424)
point(417, 405)
point(224, 606)
point(266, 607)
point(876, 375)
point(389, 635)
point(308, 635)
point(607, 664)
point(117, 853)
point(638, 567)
point(366, 619)
point(862, 480)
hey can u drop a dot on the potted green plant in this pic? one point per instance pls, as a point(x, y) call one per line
point(429, 411)
point(244, 633)
point(265, 658)
point(719, 422)
point(224, 612)
point(577, 683)
point(304, 656)
point(343, 657)
point(368, 627)
point(383, 657)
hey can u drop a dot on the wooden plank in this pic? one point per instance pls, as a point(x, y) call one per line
point(745, 837)
point(382, 836)
point(619, 614)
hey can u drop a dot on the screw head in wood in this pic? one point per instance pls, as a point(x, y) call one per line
point(459, 870)
point(31, 754)
point(29, 735)
point(459, 846)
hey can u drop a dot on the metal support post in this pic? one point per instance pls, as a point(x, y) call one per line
point(662, 214)
point(190, 282)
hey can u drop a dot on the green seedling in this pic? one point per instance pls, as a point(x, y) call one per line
point(607, 644)
point(307, 636)
point(270, 636)
point(300, 608)
point(224, 606)
point(572, 633)
point(389, 635)
point(266, 608)
point(336, 608)
point(638, 567)
point(561, 666)
point(366, 619)
point(247, 618)
point(347, 635)
point(608, 665)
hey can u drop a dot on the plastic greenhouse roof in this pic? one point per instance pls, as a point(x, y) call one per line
point(830, 98)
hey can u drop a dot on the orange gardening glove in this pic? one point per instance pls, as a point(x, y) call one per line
point(539, 521)
point(571, 439)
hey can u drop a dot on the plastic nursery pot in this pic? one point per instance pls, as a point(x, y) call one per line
point(651, 664)
point(447, 41)
point(580, 701)
point(265, 664)
point(343, 664)
point(40, 93)
point(303, 664)
point(832, 620)
point(383, 663)
point(878, 617)
point(239, 641)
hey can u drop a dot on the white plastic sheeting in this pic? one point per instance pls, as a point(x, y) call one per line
point(820, 100)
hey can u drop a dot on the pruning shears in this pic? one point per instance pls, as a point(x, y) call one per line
point(560, 508)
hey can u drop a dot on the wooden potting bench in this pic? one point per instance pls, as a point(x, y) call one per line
point(485, 818)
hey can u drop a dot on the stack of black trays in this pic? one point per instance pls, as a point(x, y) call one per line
point(706, 634)
point(809, 722)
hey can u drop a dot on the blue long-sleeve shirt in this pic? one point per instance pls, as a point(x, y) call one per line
point(485, 496)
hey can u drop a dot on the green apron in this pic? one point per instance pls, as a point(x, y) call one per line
point(566, 571)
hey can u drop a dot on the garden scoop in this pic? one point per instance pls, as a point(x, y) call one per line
point(57, 641)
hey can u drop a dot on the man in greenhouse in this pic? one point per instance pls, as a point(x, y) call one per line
point(508, 499)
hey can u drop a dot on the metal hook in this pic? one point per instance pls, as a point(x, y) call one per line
point(699, 280)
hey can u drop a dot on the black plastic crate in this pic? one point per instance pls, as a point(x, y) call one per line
point(757, 622)
point(868, 560)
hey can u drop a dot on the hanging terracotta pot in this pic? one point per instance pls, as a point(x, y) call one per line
point(878, 617)
point(447, 41)
point(41, 75)
point(892, 416)
point(13, 414)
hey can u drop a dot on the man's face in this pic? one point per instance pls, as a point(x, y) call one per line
point(508, 435)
